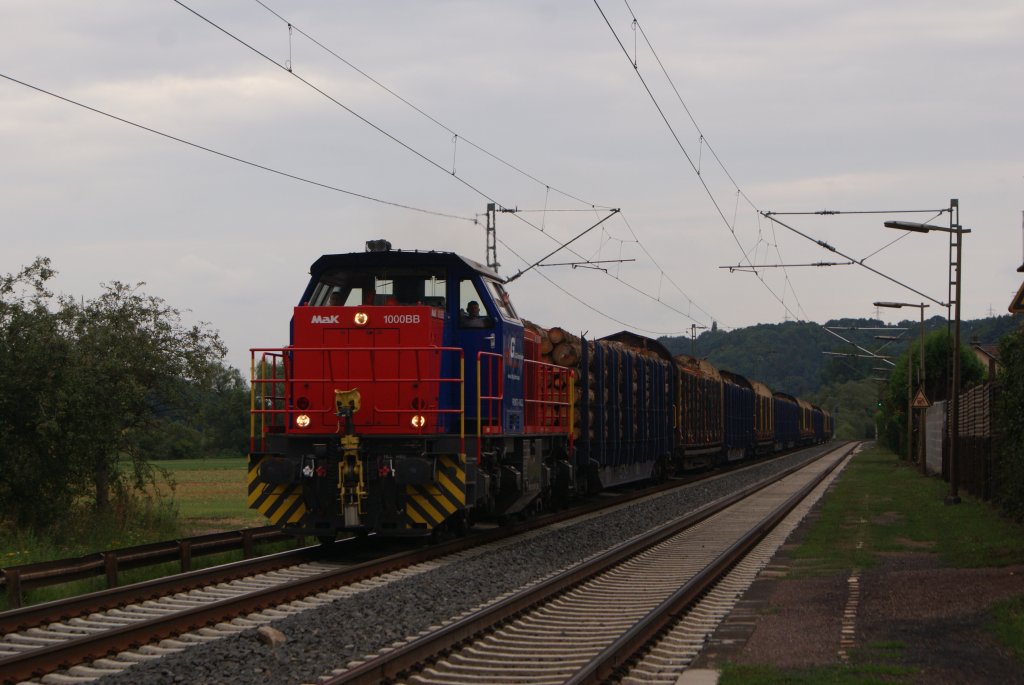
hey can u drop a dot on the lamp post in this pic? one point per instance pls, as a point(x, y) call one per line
point(910, 408)
point(956, 232)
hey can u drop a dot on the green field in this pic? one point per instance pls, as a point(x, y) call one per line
point(209, 494)
point(190, 497)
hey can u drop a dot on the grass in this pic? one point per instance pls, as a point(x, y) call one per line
point(881, 505)
point(1008, 625)
point(84, 531)
point(854, 674)
point(210, 494)
point(191, 497)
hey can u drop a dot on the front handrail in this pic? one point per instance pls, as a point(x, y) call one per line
point(273, 377)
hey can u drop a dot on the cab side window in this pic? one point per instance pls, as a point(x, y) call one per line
point(502, 301)
point(472, 307)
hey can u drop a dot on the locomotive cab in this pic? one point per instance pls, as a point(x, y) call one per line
point(396, 402)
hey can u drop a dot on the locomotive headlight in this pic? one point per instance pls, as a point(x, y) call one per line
point(418, 421)
point(361, 318)
point(302, 420)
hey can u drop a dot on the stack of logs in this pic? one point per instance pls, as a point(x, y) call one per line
point(561, 348)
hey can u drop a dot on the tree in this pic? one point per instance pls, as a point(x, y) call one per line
point(1008, 422)
point(852, 404)
point(37, 483)
point(210, 419)
point(84, 382)
point(130, 354)
point(937, 351)
point(223, 418)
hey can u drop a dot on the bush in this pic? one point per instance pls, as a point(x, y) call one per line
point(1008, 425)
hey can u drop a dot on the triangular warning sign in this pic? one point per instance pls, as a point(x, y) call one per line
point(920, 401)
point(1017, 306)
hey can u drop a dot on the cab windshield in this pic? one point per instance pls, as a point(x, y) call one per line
point(388, 286)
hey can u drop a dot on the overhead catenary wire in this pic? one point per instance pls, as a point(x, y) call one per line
point(835, 212)
point(704, 141)
point(856, 261)
point(689, 159)
point(665, 276)
point(548, 187)
point(234, 158)
point(697, 171)
point(769, 215)
point(862, 349)
point(832, 212)
point(422, 112)
point(309, 84)
point(562, 246)
point(589, 306)
point(405, 145)
point(314, 183)
point(739, 267)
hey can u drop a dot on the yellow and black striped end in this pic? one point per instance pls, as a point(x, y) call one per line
point(427, 506)
point(281, 504)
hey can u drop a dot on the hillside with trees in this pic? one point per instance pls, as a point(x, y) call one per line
point(831, 364)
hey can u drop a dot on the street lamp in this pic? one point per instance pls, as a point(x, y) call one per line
point(956, 231)
point(910, 408)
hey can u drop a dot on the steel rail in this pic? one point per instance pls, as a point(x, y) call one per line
point(111, 562)
point(617, 654)
point(38, 662)
point(42, 660)
point(60, 609)
point(400, 660)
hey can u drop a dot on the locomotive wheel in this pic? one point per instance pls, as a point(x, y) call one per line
point(659, 472)
point(458, 524)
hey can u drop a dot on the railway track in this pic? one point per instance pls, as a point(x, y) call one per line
point(605, 617)
point(15, 580)
point(205, 604)
point(139, 623)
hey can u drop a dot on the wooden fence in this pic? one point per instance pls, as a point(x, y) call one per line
point(974, 444)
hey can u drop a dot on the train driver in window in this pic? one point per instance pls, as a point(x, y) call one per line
point(336, 299)
point(471, 317)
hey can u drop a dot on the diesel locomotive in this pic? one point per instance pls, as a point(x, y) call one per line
point(413, 398)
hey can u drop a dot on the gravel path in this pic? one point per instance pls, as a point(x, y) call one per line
point(322, 639)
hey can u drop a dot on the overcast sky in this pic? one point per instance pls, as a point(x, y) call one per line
point(793, 106)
